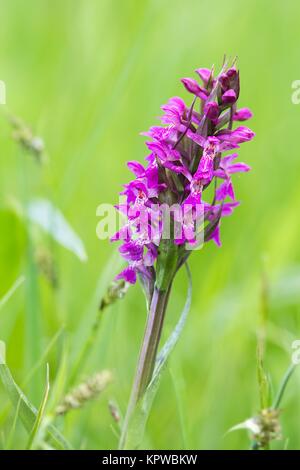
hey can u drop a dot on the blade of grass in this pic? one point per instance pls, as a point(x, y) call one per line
point(33, 327)
point(263, 381)
point(283, 386)
point(86, 335)
point(27, 411)
point(59, 384)
point(13, 428)
point(178, 386)
point(33, 321)
point(11, 291)
point(40, 413)
point(44, 356)
point(47, 351)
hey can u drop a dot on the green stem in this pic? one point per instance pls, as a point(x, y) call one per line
point(147, 355)
point(166, 265)
point(283, 385)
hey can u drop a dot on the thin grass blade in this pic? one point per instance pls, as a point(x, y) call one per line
point(27, 412)
point(41, 412)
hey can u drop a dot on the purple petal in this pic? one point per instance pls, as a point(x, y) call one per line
point(196, 138)
point(226, 161)
point(136, 168)
point(215, 236)
point(161, 134)
point(242, 114)
point(122, 208)
point(204, 74)
point(179, 169)
point(175, 107)
point(122, 234)
point(227, 208)
point(131, 251)
point(128, 274)
point(193, 199)
point(205, 170)
point(229, 97)
point(225, 190)
point(211, 109)
point(151, 255)
point(163, 151)
point(193, 87)
point(220, 173)
point(238, 168)
point(151, 174)
point(237, 136)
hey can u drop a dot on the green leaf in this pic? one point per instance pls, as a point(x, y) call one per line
point(11, 291)
point(10, 439)
point(283, 385)
point(41, 412)
point(27, 412)
point(263, 384)
point(263, 379)
point(141, 413)
point(171, 342)
point(51, 220)
point(35, 368)
point(44, 356)
point(82, 337)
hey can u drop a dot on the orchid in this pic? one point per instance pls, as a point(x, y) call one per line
point(187, 156)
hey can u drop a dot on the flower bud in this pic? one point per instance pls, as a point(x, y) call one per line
point(211, 110)
point(242, 114)
point(230, 80)
point(193, 87)
point(229, 97)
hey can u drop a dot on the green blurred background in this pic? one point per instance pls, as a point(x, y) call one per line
point(88, 76)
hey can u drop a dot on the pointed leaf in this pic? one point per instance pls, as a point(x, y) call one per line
point(11, 291)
